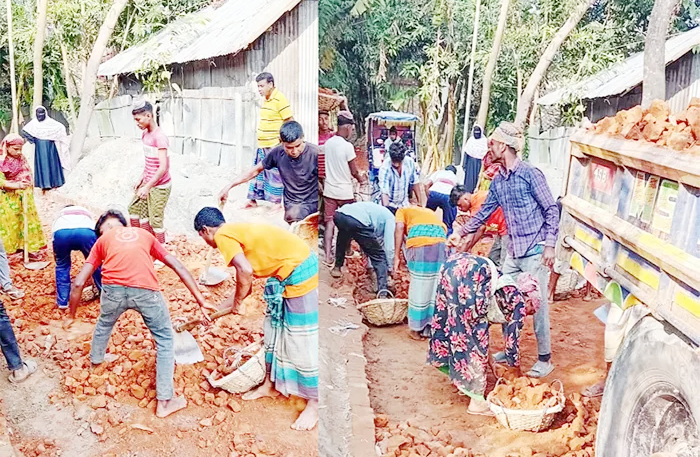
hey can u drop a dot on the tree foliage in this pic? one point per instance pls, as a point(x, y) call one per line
point(77, 23)
point(395, 51)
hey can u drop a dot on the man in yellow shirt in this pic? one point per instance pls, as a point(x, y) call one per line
point(291, 293)
point(274, 112)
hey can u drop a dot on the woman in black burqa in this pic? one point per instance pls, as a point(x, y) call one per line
point(51, 156)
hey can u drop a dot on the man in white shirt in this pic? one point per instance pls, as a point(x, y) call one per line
point(73, 230)
point(440, 186)
point(340, 169)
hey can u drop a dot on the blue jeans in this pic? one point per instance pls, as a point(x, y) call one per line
point(8, 343)
point(449, 212)
point(115, 300)
point(5, 280)
point(534, 266)
point(64, 243)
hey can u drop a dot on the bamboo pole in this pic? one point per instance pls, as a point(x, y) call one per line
point(14, 126)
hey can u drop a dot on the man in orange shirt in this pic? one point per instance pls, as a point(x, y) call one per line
point(495, 225)
point(129, 282)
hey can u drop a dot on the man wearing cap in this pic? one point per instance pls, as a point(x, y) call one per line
point(532, 219)
point(340, 169)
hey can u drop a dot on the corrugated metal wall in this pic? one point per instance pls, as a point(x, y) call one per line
point(682, 84)
point(217, 118)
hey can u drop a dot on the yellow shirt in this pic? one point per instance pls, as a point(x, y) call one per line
point(415, 215)
point(271, 251)
point(273, 112)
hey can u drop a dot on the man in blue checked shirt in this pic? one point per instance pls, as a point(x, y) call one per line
point(532, 218)
point(398, 177)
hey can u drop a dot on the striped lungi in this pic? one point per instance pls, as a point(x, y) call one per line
point(266, 185)
point(424, 263)
point(291, 350)
point(291, 334)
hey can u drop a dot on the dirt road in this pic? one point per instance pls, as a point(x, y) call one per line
point(69, 409)
point(404, 390)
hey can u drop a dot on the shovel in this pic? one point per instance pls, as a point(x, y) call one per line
point(186, 349)
point(212, 276)
point(27, 264)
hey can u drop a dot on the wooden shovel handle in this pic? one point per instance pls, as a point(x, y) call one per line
point(189, 325)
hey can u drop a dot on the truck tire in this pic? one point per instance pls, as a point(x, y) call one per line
point(652, 396)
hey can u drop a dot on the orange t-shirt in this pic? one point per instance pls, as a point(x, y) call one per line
point(497, 221)
point(126, 257)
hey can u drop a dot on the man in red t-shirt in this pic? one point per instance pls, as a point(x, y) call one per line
point(129, 282)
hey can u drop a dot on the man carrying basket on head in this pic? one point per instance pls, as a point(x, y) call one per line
point(291, 293)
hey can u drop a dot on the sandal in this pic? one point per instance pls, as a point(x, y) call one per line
point(13, 292)
point(479, 412)
point(29, 367)
point(595, 390)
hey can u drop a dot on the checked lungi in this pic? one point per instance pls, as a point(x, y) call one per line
point(268, 184)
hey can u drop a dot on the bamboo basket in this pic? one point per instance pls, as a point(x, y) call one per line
point(247, 374)
point(384, 311)
point(307, 230)
point(327, 102)
point(531, 420)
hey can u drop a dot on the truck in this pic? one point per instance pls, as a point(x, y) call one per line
point(631, 226)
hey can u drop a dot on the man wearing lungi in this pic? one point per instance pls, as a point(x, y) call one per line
point(274, 112)
point(425, 237)
point(532, 219)
point(73, 230)
point(291, 293)
point(147, 209)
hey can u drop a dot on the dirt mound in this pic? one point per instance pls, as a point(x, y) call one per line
point(106, 176)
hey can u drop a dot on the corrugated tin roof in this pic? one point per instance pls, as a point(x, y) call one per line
point(207, 33)
point(394, 116)
point(623, 76)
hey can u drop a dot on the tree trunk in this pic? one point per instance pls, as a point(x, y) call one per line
point(37, 100)
point(654, 84)
point(491, 66)
point(87, 96)
point(14, 125)
point(470, 84)
point(525, 100)
point(69, 86)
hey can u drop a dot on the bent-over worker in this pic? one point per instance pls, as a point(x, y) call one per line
point(129, 282)
point(73, 230)
point(372, 226)
point(297, 162)
point(291, 292)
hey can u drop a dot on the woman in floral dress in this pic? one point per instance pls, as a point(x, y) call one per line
point(459, 343)
point(16, 185)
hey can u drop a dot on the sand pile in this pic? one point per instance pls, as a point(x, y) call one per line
point(656, 125)
point(106, 176)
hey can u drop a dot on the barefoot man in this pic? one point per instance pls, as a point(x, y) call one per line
point(291, 293)
point(129, 282)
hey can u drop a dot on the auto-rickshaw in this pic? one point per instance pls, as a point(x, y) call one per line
point(377, 126)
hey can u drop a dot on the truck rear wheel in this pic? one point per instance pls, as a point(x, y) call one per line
point(652, 396)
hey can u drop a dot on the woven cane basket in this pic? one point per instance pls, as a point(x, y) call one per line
point(307, 230)
point(246, 375)
point(531, 420)
point(384, 311)
point(328, 102)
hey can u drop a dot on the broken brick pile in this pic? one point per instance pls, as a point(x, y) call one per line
point(680, 131)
